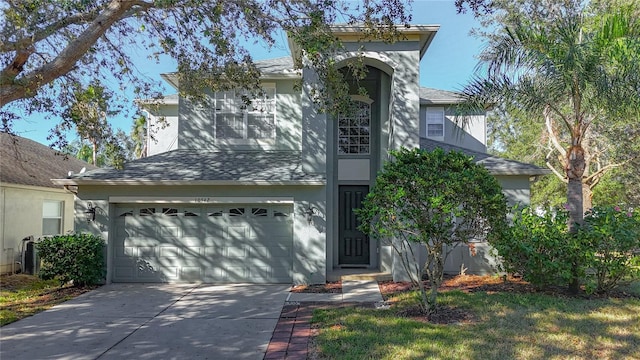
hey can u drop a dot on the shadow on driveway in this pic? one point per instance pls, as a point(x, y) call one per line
point(144, 321)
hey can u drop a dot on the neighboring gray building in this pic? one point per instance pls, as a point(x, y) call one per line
point(266, 193)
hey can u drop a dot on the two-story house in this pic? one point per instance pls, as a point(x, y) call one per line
point(265, 192)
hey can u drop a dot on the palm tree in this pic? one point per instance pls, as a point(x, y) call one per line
point(576, 72)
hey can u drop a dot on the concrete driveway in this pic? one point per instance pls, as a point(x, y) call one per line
point(159, 321)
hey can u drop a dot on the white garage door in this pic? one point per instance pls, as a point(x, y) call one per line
point(231, 243)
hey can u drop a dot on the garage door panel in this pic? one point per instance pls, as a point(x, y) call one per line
point(168, 273)
point(235, 252)
point(236, 233)
point(213, 252)
point(190, 273)
point(243, 243)
point(192, 231)
point(146, 252)
point(235, 274)
point(173, 231)
point(169, 252)
point(193, 252)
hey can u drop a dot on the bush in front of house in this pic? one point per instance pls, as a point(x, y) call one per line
point(77, 258)
point(603, 252)
point(613, 242)
point(539, 248)
point(434, 200)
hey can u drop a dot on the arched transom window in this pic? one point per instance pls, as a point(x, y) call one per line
point(354, 128)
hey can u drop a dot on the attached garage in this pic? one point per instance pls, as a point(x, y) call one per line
point(212, 243)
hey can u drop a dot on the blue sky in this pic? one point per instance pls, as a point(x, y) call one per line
point(448, 63)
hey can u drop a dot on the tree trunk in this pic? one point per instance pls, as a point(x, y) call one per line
point(575, 202)
point(587, 198)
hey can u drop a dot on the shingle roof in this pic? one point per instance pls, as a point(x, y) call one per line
point(281, 65)
point(496, 165)
point(437, 96)
point(26, 162)
point(194, 166)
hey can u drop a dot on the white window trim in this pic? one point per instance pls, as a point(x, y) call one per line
point(430, 121)
point(60, 217)
point(245, 118)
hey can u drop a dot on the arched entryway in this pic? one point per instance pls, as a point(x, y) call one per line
point(357, 152)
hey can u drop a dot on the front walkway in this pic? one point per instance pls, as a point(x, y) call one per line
point(290, 339)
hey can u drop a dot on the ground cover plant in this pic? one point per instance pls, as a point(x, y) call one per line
point(502, 320)
point(25, 295)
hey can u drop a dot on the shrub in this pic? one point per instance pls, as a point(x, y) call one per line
point(613, 241)
point(436, 200)
point(539, 248)
point(73, 257)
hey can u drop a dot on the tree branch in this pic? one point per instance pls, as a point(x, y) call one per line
point(594, 178)
point(552, 135)
point(46, 32)
point(67, 58)
point(561, 176)
point(17, 65)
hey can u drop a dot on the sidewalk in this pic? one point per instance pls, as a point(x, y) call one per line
point(290, 339)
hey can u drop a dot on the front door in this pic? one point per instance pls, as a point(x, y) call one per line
point(353, 243)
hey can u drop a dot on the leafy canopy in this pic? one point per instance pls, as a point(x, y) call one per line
point(46, 46)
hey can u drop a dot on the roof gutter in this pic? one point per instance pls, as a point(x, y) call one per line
point(146, 182)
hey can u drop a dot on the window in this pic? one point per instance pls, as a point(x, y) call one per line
point(354, 128)
point(435, 122)
point(238, 116)
point(52, 217)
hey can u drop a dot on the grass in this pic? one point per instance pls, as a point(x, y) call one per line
point(26, 295)
point(506, 325)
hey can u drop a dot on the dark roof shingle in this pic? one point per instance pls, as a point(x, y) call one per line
point(494, 164)
point(198, 166)
point(26, 162)
point(432, 96)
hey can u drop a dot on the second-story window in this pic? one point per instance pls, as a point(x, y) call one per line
point(354, 128)
point(435, 122)
point(239, 116)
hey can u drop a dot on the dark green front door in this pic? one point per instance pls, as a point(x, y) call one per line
point(353, 243)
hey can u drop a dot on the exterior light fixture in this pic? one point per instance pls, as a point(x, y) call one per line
point(90, 213)
point(309, 212)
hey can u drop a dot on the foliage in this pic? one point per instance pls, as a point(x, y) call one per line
point(613, 243)
point(604, 252)
point(539, 248)
point(436, 200)
point(574, 65)
point(87, 114)
point(608, 177)
point(73, 257)
point(48, 45)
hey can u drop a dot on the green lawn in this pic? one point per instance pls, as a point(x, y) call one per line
point(505, 326)
point(26, 295)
